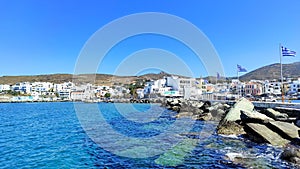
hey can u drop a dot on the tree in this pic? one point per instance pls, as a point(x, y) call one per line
point(14, 93)
point(107, 95)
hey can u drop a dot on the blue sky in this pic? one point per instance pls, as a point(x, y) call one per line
point(45, 37)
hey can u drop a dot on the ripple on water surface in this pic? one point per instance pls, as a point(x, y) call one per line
point(44, 135)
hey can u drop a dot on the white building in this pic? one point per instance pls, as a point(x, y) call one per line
point(83, 92)
point(272, 87)
point(64, 90)
point(294, 87)
point(118, 91)
point(41, 87)
point(140, 93)
point(63, 86)
point(237, 87)
point(156, 87)
point(186, 87)
point(222, 87)
point(102, 90)
point(4, 87)
point(23, 87)
point(77, 95)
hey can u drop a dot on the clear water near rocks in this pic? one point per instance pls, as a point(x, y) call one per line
point(45, 135)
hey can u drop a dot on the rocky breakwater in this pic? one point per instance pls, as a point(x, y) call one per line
point(197, 110)
point(264, 126)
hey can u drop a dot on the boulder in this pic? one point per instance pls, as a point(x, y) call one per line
point(233, 156)
point(188, 108)
point(158, 100)
point(176, 108)
point(205, 117)
point(175, 102)
point(276, 115)
point(234, 113)
point(254, 117)
point(197, 112)
point(260, 133)
point(197, 104)
point(184, 114)
point(298, 123)
point(292, 154)
point(218, 115)
point(205, 106)
point(226, 106)
point(230, 128)
point(230, 124)
point(287, 130)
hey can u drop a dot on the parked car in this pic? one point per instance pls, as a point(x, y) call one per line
point(267, 97)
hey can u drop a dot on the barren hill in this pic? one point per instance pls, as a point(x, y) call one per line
point(273, 72)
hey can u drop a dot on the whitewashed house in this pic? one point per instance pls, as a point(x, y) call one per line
point(186, 87)
point(140, 92)
point(294, 87)
point(83, 92)
point(4, 87)
point(23, 87)
point(64, 90)
point(41, 87)
point(156, 87)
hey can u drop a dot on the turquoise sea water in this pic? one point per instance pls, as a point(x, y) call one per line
point(49, 135)
point(295, 101)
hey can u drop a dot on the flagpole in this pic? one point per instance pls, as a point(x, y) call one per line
point(280, 53)
point(237, 72)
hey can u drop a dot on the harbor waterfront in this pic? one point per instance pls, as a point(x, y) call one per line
point(149, 84)
point(44, 135)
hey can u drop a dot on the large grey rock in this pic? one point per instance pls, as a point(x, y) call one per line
point(184, 114)
point(217, 114)
point(288, 130)
point(175, 101)
point(234, 113)
point(205, 117)
point(197, 111)
point(205, 105)
point(292, 154)
point(226, 106)
point(233, 156)
point(276, 115)
point(254, 116)
point(176, 108)
point(197, 104)
point(298, 123)
point(230, 128)
point(230, 123)
point(261, 133)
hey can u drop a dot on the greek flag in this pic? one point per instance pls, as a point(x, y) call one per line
point(218, 75)
point(287, 52)
point(241, 69)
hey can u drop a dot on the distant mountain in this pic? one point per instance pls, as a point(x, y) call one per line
point(55, 78)
point(267, 72)
point(273, 72)
point(100, 79)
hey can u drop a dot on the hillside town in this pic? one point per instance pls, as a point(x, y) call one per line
point(169, 86)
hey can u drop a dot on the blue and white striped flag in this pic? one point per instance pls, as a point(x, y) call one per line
point(241, 69)
point(287, 52)
point(218, 75)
